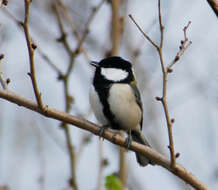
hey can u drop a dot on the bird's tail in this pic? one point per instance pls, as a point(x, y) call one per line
point(139, 138)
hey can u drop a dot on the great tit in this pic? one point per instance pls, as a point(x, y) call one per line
point(116, 102)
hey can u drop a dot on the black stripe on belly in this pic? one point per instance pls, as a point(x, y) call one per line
point(103, 92)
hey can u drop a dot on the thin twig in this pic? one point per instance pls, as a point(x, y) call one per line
point(164, 91)
point(9, 14)
point(49, 62)
point(65, 78)
point(2, 81)
point(68, 98)
point(165, 71)
point(143, 33)
point(86, 30)
point(63, 37)
point(71, 53)
point(151, 154)
point(163, 99)
point(66, 15)
point(39, 50)
point(161, 26)
point(86, 138)
point(184, 45)
point(31, 48)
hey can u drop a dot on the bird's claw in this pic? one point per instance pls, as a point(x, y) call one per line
point(101, 131)
point(128, 141)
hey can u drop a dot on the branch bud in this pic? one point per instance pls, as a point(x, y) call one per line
point(176, 58)
point(177, 155)
point(34, 46)
point(169, 70)
point(30, 74)
point(158, 98)
point(2, 56)
point(5, 2)
point(8, 80)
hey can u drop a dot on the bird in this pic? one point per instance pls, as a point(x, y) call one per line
point(116, 102)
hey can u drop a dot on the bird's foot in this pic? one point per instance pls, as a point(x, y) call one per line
point(128, 140)
point(101, 131)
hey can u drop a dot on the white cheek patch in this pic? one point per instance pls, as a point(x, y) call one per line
point(114, 74)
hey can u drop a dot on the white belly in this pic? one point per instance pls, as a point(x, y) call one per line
point(97, 107)
point(124, 107)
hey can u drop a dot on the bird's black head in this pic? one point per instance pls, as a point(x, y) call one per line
point(113, 70)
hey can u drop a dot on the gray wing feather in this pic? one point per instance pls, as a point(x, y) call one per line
point(138, 100)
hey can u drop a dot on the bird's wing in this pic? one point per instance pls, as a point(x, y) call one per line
point(138, 100)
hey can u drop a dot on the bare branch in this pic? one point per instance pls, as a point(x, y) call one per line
point(63, 37)
point(66, 15)
point(116, 30)
point(165, 71)
point(65, 78)
point(31, 47)
point(2, 81)
point(68, 97)
point(86, 30)
point(163, 99)
point(152, 155)
point(184, 45)
point(161, 25)
point(49, 62)
point(143, 33)
point(39, 50)
point(86, 138)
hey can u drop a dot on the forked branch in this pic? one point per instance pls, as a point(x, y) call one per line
point(152, 155)
point(31, 47)
point(165, 70)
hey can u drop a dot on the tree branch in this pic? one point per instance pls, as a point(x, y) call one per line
point(114, 138)
point(86, 30)
point(116, 27)
point(2, 81)
point(39, 50)
point(143, 33)
point(163, 99)
point(165, 71)
point(184, 45)
point(68, 97)
point(65, 78)
point(31, 46)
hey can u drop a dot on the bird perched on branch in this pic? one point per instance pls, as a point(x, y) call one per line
point(116, 102)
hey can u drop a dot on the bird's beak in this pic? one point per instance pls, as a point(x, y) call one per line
point(94, 63)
